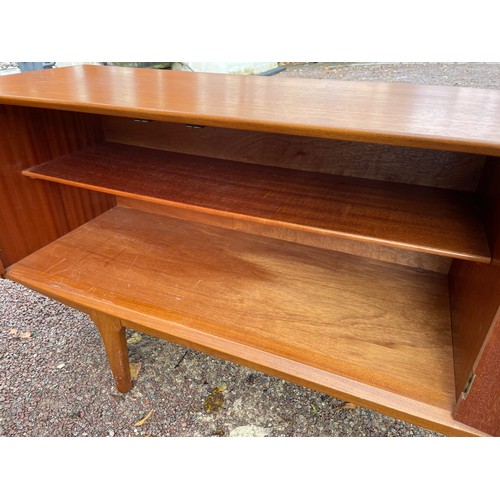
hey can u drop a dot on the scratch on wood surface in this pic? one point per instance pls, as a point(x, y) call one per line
point(130, 266)
point(55, 265)
point(59, 284)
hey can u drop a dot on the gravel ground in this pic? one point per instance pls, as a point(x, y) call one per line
point(481, 75)
point(56, 382)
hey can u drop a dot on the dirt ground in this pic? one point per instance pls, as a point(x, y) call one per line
point(56, 382)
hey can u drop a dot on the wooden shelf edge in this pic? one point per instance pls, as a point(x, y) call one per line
point(425, 415)
point(418, 413)
point(473, 246)
point(482, 258)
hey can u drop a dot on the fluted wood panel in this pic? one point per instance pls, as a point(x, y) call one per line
point(34, 213)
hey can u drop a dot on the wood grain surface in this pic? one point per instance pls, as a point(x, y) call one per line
point(475, 288)
point(423, 167)
point(115, 342)
point(33, 214)
point(481, 407)
point(375, 333)
point(384, 253)
point(475, 307)
point(360, 319)
point(434, 117)
point(441, 222)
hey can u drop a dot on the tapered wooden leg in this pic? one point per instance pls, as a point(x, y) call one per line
point(113, 336)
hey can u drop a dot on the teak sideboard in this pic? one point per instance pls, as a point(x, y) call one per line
point(341, 235)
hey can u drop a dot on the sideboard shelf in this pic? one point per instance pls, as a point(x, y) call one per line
point(420, 218)
point(332, 314)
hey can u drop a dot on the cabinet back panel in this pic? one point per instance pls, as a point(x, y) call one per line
point(443, 169)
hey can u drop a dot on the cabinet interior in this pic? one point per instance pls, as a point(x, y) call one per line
point(322, 261)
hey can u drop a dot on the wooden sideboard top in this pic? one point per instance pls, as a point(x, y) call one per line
point(425, 116)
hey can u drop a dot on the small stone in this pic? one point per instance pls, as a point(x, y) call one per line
point(60, 365)
point(221, 386)
point(135, 338)
point(111, 433)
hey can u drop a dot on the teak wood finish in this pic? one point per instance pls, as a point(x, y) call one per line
point(422, 167)
point(427, 116)
point(33, 215)
point(321, 217)
point(322, 310)
point(475, 292)
point(399, 215)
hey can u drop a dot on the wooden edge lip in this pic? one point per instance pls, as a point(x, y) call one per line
point(459, 145)
point(380, 400)
point(485, 259)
